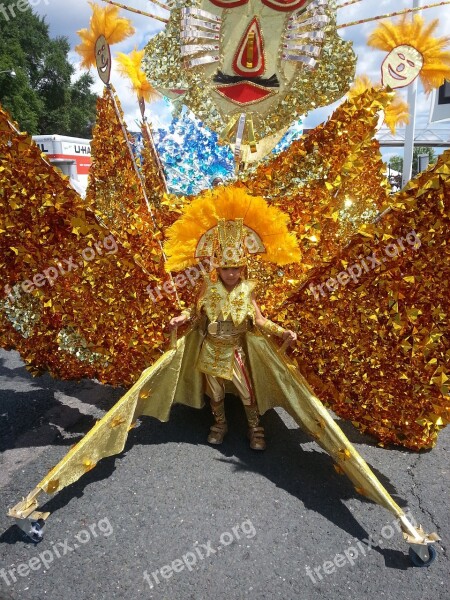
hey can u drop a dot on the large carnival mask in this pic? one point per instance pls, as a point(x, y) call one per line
point(249, 68)
point(401, 67)
point(103, 59)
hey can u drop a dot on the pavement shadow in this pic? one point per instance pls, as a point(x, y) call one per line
point(305, 473)
point(28, 402)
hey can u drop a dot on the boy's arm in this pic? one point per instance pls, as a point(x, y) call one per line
point(186, 314)
point(269, 326)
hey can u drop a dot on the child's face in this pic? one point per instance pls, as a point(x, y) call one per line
point(230, 275)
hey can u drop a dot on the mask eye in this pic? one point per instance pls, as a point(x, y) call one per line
point(402, 56)
point(410, 63)
point(286, 5)
point(228, 3)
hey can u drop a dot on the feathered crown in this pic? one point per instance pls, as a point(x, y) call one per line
point(130, 66)
point(396, 112)
point(104, 21)
point(414, 33)
point(227, 224)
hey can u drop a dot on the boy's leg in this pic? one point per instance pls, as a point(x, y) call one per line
point(215, 389)
point(242, 382)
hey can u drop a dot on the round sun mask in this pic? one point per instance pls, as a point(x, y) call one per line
point(401, 67)
point(103, 59)
point(249, 68)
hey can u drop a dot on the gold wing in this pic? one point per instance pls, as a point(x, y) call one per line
point(76, 279)
point(373, 323)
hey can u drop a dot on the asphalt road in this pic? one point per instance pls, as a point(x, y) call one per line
point(174, 518)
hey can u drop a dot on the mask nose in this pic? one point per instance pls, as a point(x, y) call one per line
point(249, 58)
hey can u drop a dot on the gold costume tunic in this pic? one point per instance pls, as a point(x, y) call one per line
point(228, 314)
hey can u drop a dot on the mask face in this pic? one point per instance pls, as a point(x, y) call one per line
point(401, 67)
point(103, 59)
point(269, 60)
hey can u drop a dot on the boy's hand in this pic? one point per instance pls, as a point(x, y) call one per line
point(177, 322)
point(289, 335)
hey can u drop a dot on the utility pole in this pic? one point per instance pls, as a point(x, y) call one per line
point(408, 148)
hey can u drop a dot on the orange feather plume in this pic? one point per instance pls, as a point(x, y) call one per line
point(104, 21)
point(413, 32)
point(130, 66)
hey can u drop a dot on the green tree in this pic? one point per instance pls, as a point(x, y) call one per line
point(396, 162)
point(42, 97)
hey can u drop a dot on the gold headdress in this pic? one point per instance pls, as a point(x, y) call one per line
point(414, 34)
point(227, 224)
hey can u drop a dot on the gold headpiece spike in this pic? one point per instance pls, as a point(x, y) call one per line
point(225, 136)
point(251, 134)
point(229, 247)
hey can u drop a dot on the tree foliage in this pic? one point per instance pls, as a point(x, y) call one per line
point(396, 162)
point(42, 97)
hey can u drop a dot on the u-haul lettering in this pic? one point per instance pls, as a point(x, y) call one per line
point(60, 148)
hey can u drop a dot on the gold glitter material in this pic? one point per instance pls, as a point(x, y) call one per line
point(96, 286)
point(73, 342)
point(114, 191)
point(330, 182)
point(21, 310)
point(377, 348)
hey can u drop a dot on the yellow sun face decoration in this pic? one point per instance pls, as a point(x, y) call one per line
point(103, 59)
point(401, 66)
point(249, 68)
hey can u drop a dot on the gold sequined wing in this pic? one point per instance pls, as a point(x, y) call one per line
point(373, 323)
point(126, 187)
point(330, 182)
point(75, 301)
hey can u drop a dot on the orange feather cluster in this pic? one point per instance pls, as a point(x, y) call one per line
point(130, 66)
point(104, 21)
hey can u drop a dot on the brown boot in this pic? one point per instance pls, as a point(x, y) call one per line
point(255, 431)
point(220, 427)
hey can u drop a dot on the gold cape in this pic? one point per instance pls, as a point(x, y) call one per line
point(174, 379)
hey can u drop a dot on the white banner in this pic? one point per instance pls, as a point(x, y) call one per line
point(440, 109)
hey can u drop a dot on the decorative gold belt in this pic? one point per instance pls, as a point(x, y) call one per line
point(226, 328)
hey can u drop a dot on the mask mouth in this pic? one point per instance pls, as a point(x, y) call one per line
point(270, 82)
point(395, 75)
point(245, 90)
point(105, 67)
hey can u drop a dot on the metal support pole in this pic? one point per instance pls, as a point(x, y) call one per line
point(408, 149)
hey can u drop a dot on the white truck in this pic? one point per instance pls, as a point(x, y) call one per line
point(70, 154)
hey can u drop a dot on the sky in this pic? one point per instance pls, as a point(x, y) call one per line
point(66, 17)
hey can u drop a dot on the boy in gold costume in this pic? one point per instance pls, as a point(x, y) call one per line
point(227, 301)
